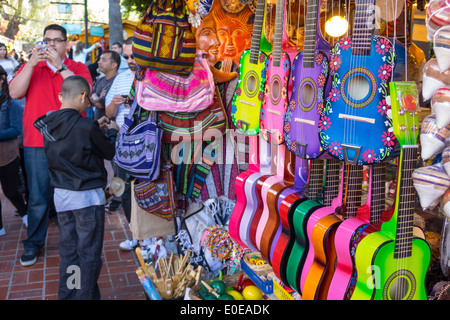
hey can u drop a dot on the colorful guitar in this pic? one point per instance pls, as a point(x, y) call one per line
point(360, 71)
point(351, 231)
point(323, 233)
point(241, 200)
point(247, 99)
point(294, 260)
point(252, 202)
point(309, 77)
point(392, 263)
point(292, 197)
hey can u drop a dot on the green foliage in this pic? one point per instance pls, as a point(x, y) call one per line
point(138, 6)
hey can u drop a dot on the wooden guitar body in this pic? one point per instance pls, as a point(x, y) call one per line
point(247, 100)
point(357, 103)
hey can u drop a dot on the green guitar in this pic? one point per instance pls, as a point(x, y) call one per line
point(391, 263)
point(247, 99)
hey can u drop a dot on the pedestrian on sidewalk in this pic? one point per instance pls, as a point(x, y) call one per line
point(10, 130)
point(76, 148)
point(39, 81)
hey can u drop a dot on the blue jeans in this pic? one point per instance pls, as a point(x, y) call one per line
point(80, 249)
point(40, 197)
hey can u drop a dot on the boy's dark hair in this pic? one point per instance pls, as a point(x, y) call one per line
point(117, 44)
point(74, 86)
point(56, 27)
point(129, 40)
point(115, 57)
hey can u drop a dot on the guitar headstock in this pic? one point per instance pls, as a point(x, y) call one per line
point(404, 109)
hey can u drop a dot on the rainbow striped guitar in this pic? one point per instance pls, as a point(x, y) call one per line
point(392, 263)
point(354, 122)
point(247, 99)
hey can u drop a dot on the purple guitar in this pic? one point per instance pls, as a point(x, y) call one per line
point(309, 76)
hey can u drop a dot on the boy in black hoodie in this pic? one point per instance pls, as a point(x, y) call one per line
point(76, 148)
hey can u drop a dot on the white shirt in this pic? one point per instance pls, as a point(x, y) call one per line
point(9, 64)
point(81, 57)
point(68, 200)
point(121, 86)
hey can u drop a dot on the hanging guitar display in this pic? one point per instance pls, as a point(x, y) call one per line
point(350, 232)
point(323, 232)
point(309, 77)
point(247, 99)
point(360, 71)
point(392, 263)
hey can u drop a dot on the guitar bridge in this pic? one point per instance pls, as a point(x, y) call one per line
point(303, 146)
point(355, 149)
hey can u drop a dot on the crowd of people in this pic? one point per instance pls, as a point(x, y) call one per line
point(59, 120)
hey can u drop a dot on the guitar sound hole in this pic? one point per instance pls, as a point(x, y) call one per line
point(275, 90)
point(251, 83)
point(307, 94)
point(358, 88)
point(399, 289)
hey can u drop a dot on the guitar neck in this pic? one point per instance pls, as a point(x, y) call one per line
point(353, 191)
point(406, 202)
point(257, 31)
point(278, 33)
point(376, 195)
point(363, 25)
point(309, 47)
point(316, 180)
point(332, 178)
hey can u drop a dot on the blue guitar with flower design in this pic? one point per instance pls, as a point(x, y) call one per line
point(354, 126)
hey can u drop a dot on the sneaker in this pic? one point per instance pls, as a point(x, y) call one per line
point(114, 205)
point(28, 258)
point(25, 220)
point(129, 244)
point(2, 231)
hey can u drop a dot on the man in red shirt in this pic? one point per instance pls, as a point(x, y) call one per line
point(39, 81)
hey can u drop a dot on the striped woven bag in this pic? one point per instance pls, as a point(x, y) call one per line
point(163, 39)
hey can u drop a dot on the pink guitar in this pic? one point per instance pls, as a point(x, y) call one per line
point(265, 169)
point(350, 232)
point(272, 111)
point(241, 200)
point(313, 219)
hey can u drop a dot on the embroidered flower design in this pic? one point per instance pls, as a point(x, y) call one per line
point(321, 80)
point(369, 156)
point(388, 138)
point(335, 148)
point(261, 96)
point(382, 46)
point(286, 65)
point(261, 58)
point(284, 93)
point(334, 94)
point(384, 72)
point(267, 65)
point(287, 127)
point(335, 63)
point(239, 124)
point(319, 107)
point(324, 123)
point(383, 107)
point(233, 108)
point(292, 104)
point(238, 91)
point(294, 147)
point(319, 59)
point(262, 114)
point(345, 43)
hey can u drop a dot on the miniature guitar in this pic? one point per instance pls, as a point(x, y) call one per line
point(309, 77)
point(291, 198)
point(250, 192)
point(241, 200)
point(247, 99)
point(351, 231)
point(295, 259)
point(323, 233)
point(392, 263)
point(354, 121)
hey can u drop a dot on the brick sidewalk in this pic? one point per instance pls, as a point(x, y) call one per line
point(118, 280)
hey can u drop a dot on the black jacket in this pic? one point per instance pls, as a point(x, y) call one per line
point(75, 148)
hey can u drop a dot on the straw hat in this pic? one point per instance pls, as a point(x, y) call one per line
point(117, 186)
